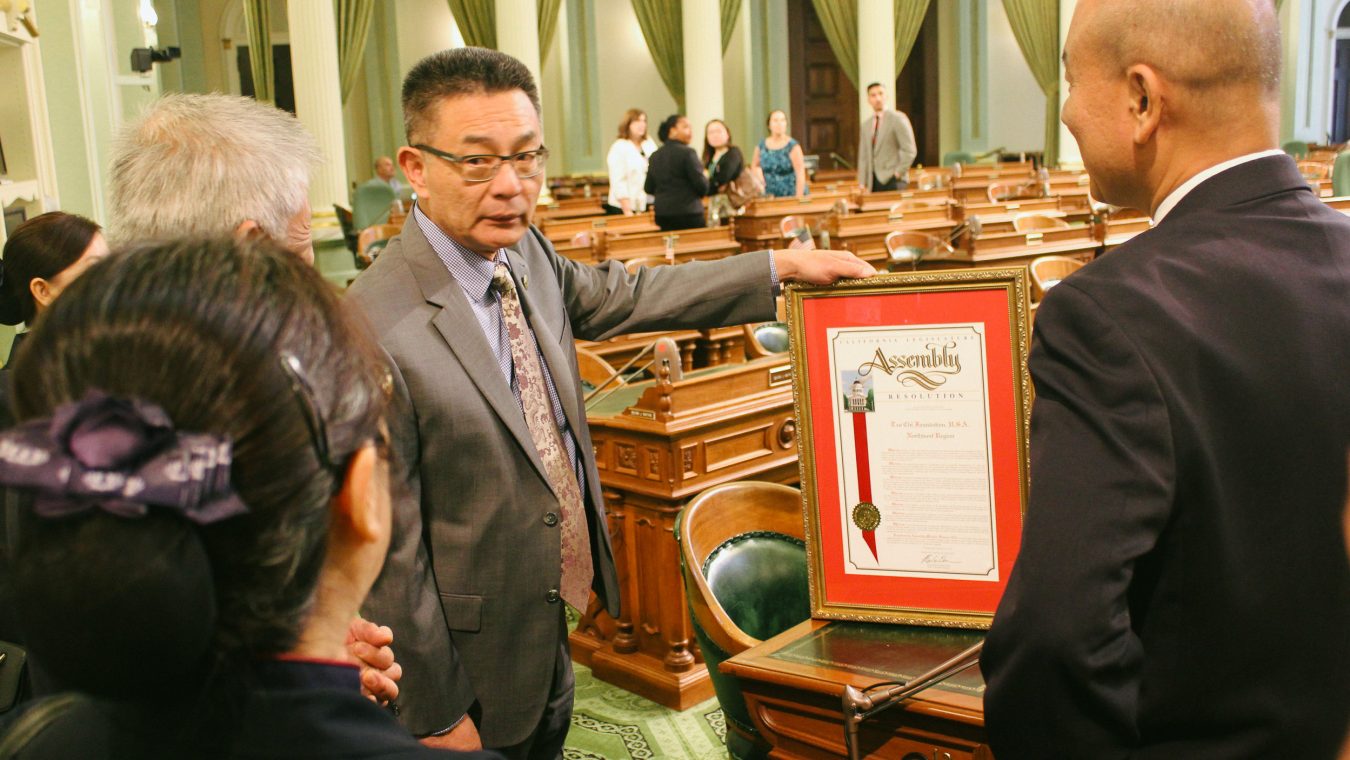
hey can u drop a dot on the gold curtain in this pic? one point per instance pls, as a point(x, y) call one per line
point(259, 22)
point(477, 20)
point(840, 20)
point(908, 23)
point(731, 10)
point(1035, 24)
point(353, 25)
point(661, 27)
point(548, 26)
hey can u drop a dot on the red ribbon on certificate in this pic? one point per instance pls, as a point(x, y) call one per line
point(864, 474)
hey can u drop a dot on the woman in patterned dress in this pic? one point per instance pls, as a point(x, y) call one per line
point(778, 159)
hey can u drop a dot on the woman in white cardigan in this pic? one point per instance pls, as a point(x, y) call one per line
point(628, 165)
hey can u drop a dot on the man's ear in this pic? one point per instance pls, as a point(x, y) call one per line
point(356, 511)
point(414, 167)
point(1146, 101)
point(248, 230)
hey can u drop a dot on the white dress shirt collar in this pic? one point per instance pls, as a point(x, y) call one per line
point(1174, 197)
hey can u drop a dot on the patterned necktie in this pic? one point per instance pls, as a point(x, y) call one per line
point(577, 570)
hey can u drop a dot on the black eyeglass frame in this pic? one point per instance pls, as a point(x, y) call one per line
point(540, 153)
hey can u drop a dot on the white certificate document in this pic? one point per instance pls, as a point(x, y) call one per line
point(912, 403)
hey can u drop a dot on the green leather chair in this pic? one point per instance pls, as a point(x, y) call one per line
point(743, 557)
point(371, 204)
point(1340, 174)
point(1296, 148)
point(766, 339)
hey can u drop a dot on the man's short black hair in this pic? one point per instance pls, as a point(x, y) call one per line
point(874, 84)
point(460, 71)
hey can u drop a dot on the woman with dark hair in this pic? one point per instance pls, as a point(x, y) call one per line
point(722, 161)
point(676, 179)
point(627, 162)
point(779, 160)
point(202, 440)
point(43, 256)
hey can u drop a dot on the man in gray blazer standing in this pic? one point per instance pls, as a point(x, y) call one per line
point(886, 149)
point(503, 518)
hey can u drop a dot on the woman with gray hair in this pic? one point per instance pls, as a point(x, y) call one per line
point(213, 165)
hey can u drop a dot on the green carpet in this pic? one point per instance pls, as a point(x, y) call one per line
point(609, 723)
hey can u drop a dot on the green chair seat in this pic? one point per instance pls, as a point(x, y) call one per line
point(773, 336)
point(760, 580)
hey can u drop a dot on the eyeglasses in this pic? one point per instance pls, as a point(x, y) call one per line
point(482, 167)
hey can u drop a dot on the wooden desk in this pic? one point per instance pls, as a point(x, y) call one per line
point(793, 684)
point(562, 229)
point(1003, 249)
point(699, 244)
point(617, 351)
point(657, 445)
point(882, 201)
point(865, 234)
point(758, 228)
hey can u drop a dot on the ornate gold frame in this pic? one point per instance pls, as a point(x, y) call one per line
point(1014, 280)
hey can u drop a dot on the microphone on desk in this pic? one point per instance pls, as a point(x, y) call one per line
point(666, 354)
point(859, 704)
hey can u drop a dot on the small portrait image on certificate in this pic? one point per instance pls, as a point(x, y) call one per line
point(860, 397)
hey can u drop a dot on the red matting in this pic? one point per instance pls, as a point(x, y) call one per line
point(990, 306)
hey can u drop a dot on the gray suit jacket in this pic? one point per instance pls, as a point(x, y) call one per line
point(895, 150)
point(466, 584)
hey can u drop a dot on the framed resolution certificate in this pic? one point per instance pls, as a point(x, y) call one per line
point(913, 399)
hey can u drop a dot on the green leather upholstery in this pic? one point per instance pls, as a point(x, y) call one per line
point(371, 204)
point(760, 580)
point(1296, 148)
point(1340, 174)
point(773, 336)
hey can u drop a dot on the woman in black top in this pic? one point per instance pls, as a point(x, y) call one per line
point(724, 161)
point(675, 177)
point(724, 164)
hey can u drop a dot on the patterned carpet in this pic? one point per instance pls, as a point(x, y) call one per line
point(609, 723)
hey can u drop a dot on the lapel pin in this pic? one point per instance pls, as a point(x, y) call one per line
point(525, 281)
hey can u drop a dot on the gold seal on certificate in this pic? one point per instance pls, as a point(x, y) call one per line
point(866, 516)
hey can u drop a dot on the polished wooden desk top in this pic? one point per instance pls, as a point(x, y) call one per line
point(793, 684)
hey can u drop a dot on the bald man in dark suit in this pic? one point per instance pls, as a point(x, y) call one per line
point(1182, 589)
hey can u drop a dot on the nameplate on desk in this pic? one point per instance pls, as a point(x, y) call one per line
point(780, 376)
point(645, 414)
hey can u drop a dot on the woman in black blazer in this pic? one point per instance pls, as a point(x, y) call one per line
point(675, 177)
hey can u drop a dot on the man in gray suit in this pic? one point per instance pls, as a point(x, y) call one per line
point(503, 517)
point(886, 149)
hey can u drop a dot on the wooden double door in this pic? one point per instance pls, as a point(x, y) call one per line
point(824, 112)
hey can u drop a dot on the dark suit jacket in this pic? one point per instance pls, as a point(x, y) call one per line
point(466, 586)
point(1183, 588)
point(675, 177)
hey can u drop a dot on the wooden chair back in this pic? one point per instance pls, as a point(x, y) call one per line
point(912, 247)
point(372, 234)
point(716, 516)
point(634, 264)
point(594, 370)
point(1047, 271)
point(1314, 170)
point(1040, 221)
point(1000, 192)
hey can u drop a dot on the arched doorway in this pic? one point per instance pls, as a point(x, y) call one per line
point(1340, 79)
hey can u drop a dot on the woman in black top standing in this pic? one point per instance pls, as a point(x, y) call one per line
point(723, 162)
point(675, 177)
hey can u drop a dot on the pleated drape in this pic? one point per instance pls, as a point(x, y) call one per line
point(353, 26)
point(661, 21)
point(731, 10)
point(258, 19)
point(908, 23)
point(840, 21)
point(1035, 24)
point(477, 20)
point(548, 25)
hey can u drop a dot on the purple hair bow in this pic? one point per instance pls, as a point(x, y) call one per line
point(121, 456)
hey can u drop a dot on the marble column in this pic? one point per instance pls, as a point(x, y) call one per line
point(876, 50)
point(518, 32)
point(703, 99)
point(318, 99)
